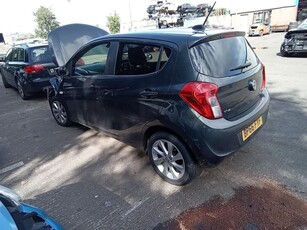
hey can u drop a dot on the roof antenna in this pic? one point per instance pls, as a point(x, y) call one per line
point(208, 14)
point(202, 27)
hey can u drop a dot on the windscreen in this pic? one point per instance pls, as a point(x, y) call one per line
point(223, 57)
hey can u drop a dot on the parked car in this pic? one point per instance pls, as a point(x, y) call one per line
point(185, 97)
point(292, 25)
point(186, 8)
point(151, 9)
point(2, 38)
point(201, 8)
point(28, 68)
point(17, 215)
point(295, 41)
point(167, 7)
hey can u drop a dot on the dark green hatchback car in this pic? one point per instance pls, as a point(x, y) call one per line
point(183, 96)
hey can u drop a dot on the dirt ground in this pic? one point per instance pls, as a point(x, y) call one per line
point(251, 208)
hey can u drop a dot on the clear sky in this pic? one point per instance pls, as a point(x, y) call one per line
point(17, 15)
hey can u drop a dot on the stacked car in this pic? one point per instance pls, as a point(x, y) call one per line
point(168, 14)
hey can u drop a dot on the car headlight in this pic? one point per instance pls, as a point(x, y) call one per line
point(13, 196)
point(288, 38)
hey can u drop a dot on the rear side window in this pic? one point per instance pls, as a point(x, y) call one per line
point(40, 55)
point(18, 55)
point(224, 57)
point(138, 59)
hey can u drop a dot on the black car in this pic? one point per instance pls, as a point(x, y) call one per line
point(295, 41)
point(201, 8)
point(151, 9)
point(2, 38)
point(28, 68)
point(183, 96)
point(186, 8)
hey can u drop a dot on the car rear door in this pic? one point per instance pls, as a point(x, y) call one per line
point(135, 94)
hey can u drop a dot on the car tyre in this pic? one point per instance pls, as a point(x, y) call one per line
point(60, 112)
point(21, 90)
point(171, 159)
point(5, 84)
point(283, 52)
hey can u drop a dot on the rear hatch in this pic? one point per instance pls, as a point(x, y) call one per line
point(228, 61)
point(41, 62)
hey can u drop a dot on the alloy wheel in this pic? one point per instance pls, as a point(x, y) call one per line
point(59, 112)
point(168, 159)
point(20, 90)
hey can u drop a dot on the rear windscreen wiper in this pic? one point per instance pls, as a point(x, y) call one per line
point(247, 64)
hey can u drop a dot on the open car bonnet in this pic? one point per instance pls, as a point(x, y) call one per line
point(66, 40)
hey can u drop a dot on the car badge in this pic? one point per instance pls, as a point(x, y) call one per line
point(252, 85)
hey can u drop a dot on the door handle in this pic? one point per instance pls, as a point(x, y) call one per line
point(148, 93)
point(94, 86)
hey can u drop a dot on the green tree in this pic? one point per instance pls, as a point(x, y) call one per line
point(46, 21)
point(113, 23)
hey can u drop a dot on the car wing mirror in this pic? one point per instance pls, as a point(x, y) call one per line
point(62, 71)
point(2, 59)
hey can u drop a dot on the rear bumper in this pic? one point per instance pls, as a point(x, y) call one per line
point(213, 139)
point(253, 32)
point(36, 84)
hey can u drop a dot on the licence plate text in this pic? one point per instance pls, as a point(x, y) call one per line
point(251, 129)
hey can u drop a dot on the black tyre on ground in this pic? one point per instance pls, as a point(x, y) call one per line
point(5, 84)
point(21, 90)
point(60, 112)
point(171, 159)
point(283, 52)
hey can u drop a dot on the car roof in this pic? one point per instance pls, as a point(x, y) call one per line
point(30, 45)
point(174, 35)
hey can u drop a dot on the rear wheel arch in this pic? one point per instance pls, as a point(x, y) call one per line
point(154, 129)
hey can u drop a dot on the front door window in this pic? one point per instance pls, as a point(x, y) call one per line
point(93, 62)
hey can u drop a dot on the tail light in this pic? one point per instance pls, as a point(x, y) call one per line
point(202, 97)
point(263, 78)
point(30, 69)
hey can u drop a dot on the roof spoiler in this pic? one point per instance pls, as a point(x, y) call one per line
point(227, 34)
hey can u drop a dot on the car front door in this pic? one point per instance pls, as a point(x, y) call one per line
point(7, 68)
point(78, 89)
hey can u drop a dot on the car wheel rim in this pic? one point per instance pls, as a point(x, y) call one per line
point(168, 159)
point(20, 90)
point(59, 112)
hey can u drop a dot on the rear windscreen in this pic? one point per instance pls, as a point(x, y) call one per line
point(223, 57)
point(40, 54)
